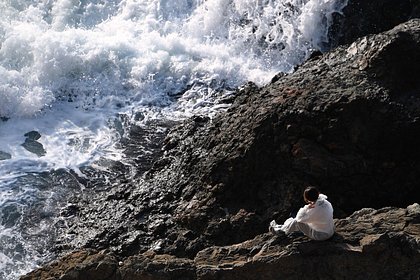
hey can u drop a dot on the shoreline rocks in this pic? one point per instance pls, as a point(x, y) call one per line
point(377, 244)
point(347, 121)
point(339, 122)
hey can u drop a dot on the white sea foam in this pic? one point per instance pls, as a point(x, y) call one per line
point(68, 67)
point(136, 50)
point(123, 54)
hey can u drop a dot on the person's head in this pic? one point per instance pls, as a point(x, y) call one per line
point(310, 195)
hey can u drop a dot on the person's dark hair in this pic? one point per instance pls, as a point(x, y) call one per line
point(311, 194)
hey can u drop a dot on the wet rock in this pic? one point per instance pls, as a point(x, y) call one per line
point(150, 136)
point(378, 244)
point(4, 155)
point(32, 135)
point(32, 145)
point(69, 210)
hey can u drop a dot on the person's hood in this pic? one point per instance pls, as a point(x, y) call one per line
point(322, 196)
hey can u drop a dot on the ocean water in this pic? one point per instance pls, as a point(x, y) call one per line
point(81, 72)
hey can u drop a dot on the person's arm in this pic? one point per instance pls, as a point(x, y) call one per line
point(305, 214)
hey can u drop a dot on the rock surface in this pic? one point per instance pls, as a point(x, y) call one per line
point(32, 135)
point(32, 145)
point(4, 155)
point(369, 244)
point(360, 18)
point(347, 121)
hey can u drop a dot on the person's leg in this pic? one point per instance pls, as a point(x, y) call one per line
point(291, 225)
point(304, 228)
point(311, 233)
point(319, 235)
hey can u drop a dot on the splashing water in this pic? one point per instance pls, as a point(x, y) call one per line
point(69, 68)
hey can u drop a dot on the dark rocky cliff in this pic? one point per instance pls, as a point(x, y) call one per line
point(360, 18)
point(346, 121)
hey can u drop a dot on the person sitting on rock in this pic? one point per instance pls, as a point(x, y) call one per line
point(315, 219)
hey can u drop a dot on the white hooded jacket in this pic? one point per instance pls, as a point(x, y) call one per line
point(319, 217)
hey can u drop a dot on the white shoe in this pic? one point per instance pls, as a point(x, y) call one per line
point(272, 226)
